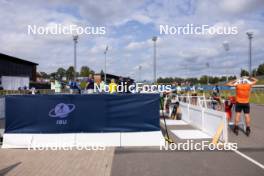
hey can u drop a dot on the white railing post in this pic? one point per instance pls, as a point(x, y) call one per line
point(225, 133)
point(203, 121)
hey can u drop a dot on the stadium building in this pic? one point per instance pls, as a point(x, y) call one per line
point(16, 72)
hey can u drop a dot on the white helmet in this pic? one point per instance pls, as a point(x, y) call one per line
point(243, 80)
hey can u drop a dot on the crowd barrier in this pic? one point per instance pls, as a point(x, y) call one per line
point(207, 120)
point(82, 113)
point(82, 140)
point(2, 107)
point(81, 120)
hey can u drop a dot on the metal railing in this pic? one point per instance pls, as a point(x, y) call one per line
point(198, 111)
point(2, 107)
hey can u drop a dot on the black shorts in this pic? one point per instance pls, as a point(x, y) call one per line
point(245, 107)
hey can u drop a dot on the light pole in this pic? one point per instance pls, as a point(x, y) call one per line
point(106, 49)
point(139, 73)
point(75, 41)
point(250, 36)
point(154, 39)
point(208, 66)
point(226, 47)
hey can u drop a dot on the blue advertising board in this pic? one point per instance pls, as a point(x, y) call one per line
point(82, 113)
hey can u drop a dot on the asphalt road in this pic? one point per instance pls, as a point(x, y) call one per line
point(153, 162)
point(157, 163)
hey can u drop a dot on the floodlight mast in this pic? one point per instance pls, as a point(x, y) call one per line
point(154, 39)
point(250, 36)
point(139, 73)
point(75, 41)
point(227, 48)
point(105, 52)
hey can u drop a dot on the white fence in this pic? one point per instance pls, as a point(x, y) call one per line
point(82, 140)
point(2, 107)
point(207, 120)
point(14, 82)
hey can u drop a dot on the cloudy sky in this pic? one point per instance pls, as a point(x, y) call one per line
point(130, 26)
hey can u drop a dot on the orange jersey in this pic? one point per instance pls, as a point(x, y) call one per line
point(243, 93)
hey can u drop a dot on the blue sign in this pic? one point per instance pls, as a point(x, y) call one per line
point(82, 113)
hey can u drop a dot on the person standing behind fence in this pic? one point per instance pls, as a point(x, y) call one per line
point(243, 90)
point(216, 98)
point(73, 86)
point(57, 86)
point(112, 86)
point(90, 84)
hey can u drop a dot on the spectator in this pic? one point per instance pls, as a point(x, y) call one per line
point(112, 86)
point(73, 86)
point(216, 97)
point(90, 84)
point(243, 89)
point(176, 112)
point(178, 89)
point(57, 86)
point(99, 85)
point(228, 107)
point(33, 90)
point(102, 86)
point(52, 85)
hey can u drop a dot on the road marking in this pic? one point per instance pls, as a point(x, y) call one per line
point(249, 159)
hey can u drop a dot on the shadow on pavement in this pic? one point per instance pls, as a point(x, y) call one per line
point(9, 168)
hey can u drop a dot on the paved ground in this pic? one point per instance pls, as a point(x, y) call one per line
point(143, 161)
point(157, 163)
point(2, 123)
point(252, 146)
point(154, 162)
point(60, 163)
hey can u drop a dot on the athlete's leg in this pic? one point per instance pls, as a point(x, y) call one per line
point(247, 116)
point(237, 119)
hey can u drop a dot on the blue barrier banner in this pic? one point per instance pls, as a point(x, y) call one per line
point(82, 113)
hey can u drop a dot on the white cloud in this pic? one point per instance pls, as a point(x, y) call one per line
point(241, 6)
point(132, 46)
point(176, 55)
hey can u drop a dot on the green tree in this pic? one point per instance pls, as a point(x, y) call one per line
point(203, 79)
point(52, 75)
point(44, 75)
point(193, 81)
point(214, 80)
point(244, 72)
point(61, 72)
point(70, 73)
point(260, 70)
point(85, 71)
point(222, 79)
point(232, 77)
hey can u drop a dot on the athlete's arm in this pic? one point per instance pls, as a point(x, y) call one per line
point(253, 80)
point(231, 83)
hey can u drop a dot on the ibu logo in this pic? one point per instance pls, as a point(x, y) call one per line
point(61, 111)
